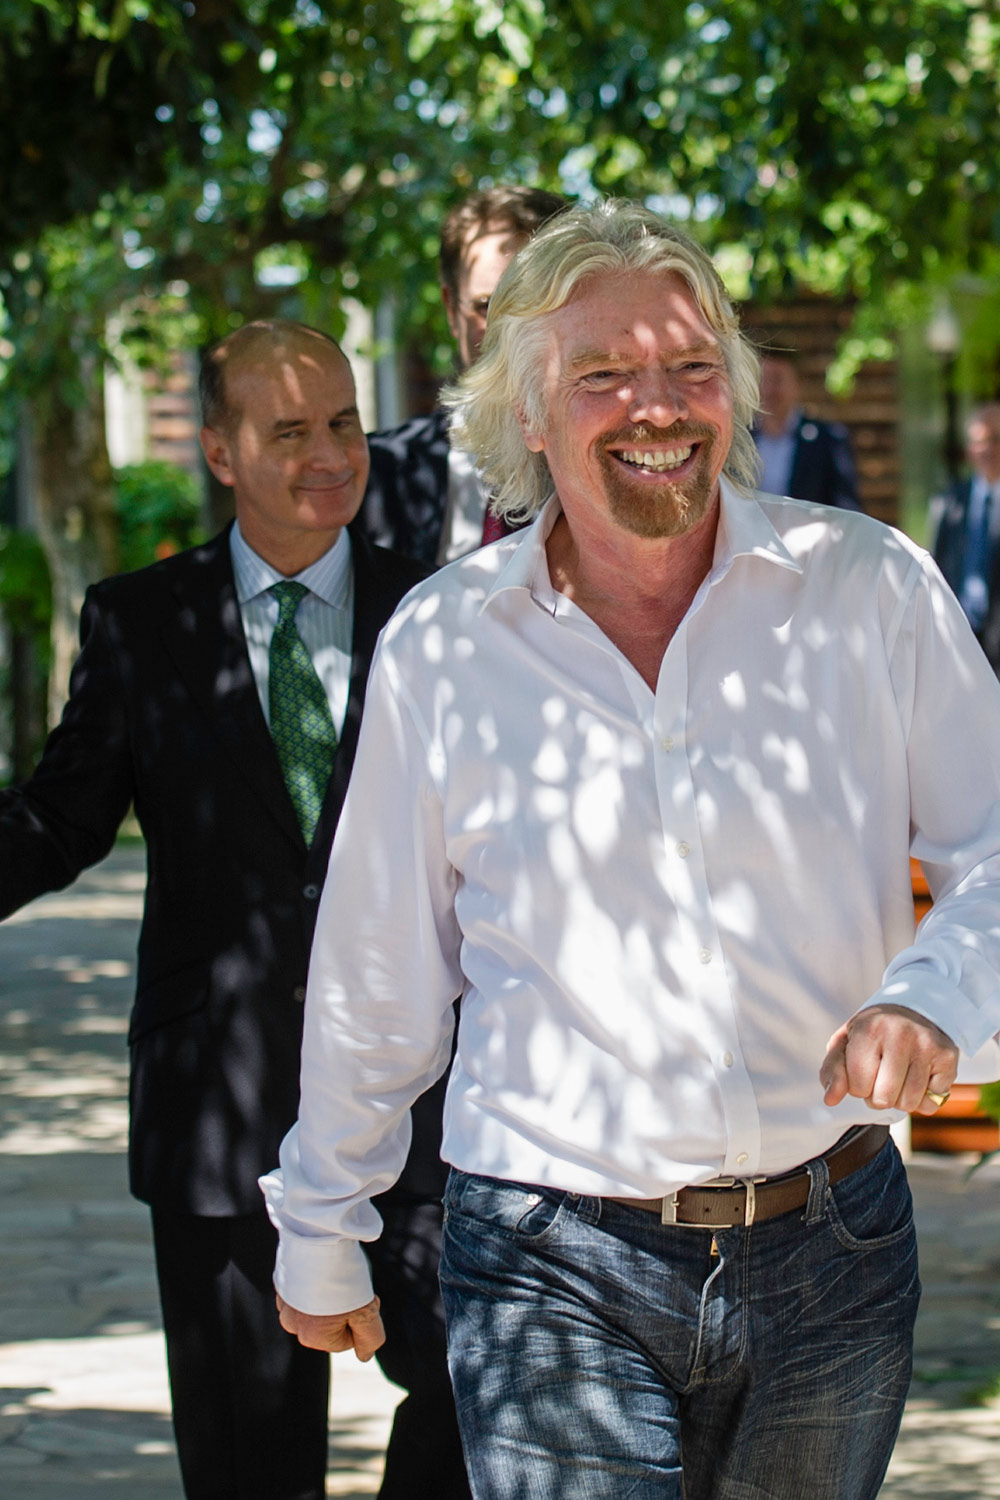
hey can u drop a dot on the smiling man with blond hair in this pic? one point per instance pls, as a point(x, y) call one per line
point(652, 772)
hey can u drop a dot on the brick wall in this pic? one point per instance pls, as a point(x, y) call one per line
point(172, 417)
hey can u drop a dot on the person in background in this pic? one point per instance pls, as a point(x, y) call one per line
point(652, 771)
point(968, 526)
point(424, 496)
point(220, 693)
point(800, 455)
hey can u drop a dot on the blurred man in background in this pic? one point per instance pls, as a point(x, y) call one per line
point(424, 497)
point(965, 546)
point(802, 456)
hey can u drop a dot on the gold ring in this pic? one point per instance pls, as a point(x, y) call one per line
point(938, 1099)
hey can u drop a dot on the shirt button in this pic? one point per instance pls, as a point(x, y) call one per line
point(299, 993)
point(705, 956)
point(667, 742)
point(683, 849)
point(310, 892)
point(743, 1157)
point(727, 1058)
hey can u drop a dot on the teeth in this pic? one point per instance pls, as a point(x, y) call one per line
point(658, 462)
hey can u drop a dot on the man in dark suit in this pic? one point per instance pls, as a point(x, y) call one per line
point(968, 529)
point(802, 456)
point(424, 498)
point(186, 701)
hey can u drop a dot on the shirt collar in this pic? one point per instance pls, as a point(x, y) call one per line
point(744, 531)
point(527, 566)
point(329, 577)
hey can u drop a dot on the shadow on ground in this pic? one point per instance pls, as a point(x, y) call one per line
point(84, 1404)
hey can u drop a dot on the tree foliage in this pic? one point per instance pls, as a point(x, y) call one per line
point(186, 164)
point(159, 512)
point(851, 144)
point(95, 96)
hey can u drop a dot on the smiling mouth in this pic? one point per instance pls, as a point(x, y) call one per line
point(660, 462)
point(322, 489)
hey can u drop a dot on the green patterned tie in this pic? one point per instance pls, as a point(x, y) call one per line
point(301, 722)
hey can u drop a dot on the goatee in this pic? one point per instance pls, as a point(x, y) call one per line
point(669, 507)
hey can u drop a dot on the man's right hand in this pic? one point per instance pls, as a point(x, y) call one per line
point(360, 1330)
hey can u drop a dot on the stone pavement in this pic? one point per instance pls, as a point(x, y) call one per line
point(84, 1411)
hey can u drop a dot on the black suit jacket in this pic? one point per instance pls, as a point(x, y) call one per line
point(164, 713)
point(949, 554)
point(823, 465)
point(407, 495)
point(949, 542)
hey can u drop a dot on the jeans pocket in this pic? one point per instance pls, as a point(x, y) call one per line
point(515, 1209)
point(872, 1208)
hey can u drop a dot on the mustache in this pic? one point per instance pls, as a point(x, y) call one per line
point(637, 433)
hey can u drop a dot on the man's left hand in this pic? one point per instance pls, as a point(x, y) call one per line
point(890, 1057)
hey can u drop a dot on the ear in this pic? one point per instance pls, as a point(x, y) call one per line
point(215, 447)
point(451, 309)
point(533, 441)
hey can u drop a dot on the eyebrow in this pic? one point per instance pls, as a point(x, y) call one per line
point(608, 356)
point(286, 424)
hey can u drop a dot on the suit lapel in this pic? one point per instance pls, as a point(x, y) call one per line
point(204, 636)
point(438, 449)
point(801, 475)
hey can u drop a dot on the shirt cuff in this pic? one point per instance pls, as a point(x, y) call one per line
point(322, 1275)
point(923, 989)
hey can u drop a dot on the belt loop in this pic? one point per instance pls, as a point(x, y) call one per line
point(586, 1209)
point(819, 1188)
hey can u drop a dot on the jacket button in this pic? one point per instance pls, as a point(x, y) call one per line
point(310, 892)
point(299, 993)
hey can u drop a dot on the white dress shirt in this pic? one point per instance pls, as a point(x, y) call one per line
point(324, 619)
point(465, 509)
point(657, 907)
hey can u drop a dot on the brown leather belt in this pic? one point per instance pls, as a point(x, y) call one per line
point(730, 1202)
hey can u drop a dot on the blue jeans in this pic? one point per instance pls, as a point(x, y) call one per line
point(598, 1353)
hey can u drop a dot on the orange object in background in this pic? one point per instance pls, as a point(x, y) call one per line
point(959, 1125)
point(922, 902)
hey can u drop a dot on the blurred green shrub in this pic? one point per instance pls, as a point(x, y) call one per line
point(26, 614)
point(160, 509)
point(25, 586)
point(989, 1100)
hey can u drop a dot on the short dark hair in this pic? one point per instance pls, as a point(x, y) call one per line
point(524, 209)
point(215, 409)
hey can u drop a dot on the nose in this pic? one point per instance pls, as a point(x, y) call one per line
point(327, 450)
point(657, 397)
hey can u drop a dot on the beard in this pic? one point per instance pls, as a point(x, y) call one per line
point(670, 507)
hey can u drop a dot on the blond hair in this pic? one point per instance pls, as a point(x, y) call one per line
point(609, 238)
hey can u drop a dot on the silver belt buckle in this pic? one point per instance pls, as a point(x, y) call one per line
point(668, 1209)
